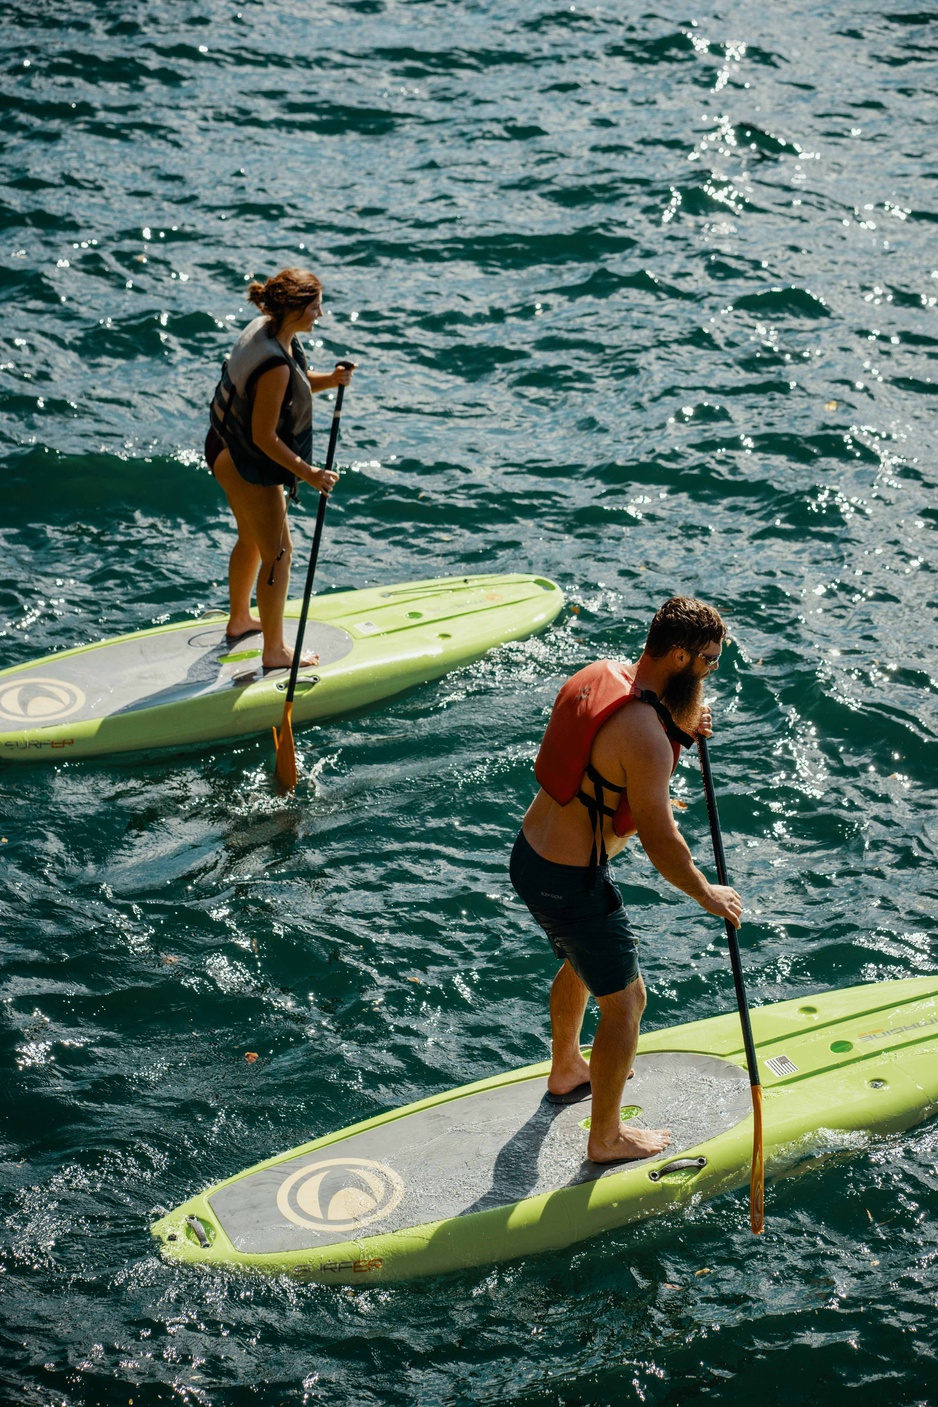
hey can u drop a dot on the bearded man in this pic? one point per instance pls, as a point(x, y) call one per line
point(613, 740)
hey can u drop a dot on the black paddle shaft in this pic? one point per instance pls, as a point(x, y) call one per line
point(732, 939)
point(317, 538)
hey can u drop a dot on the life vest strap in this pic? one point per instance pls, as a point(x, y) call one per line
point(596, 807)
point(676, 734)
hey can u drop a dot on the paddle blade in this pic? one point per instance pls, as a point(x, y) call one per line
point(286, 751)
point(757, 1176)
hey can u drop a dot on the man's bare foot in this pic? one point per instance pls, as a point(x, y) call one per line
point(240, 626)
point(631, 1143)
point(284, 658)
point(561, 1082)
point(568, 1076)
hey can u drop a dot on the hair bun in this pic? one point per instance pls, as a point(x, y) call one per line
point(291, 288)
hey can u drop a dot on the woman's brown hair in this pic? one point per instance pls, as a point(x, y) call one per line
point(285, 293)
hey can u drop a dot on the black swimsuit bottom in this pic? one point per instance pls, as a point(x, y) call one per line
point(214, 444)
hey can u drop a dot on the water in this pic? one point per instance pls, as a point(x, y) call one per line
point(644, 302)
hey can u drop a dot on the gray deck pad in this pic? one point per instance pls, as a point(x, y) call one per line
point(145, 671)
point(466, 1155)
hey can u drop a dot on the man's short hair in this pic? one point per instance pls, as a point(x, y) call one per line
point(685, 622)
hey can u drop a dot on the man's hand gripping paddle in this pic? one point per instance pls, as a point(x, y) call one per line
point(757, 1177)
point(283, 741)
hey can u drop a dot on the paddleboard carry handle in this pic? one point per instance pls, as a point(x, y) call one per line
point(677, 1165)
point(196, 1226)
point(308, 681)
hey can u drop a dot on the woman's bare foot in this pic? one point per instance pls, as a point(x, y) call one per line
point(241, 625)
point(631, 1143)
point(284, 658)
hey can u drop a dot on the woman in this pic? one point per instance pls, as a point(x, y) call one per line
point(259, 445)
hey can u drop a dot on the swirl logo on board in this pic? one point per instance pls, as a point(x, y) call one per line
point(340, 1194)
point(36, 700)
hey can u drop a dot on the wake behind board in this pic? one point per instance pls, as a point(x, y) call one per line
point(188, 683)
point(492, 1170)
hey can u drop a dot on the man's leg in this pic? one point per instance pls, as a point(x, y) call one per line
point(568, 998)
point(613, 1051)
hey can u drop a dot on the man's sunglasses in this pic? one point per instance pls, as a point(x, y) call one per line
point(711, 661)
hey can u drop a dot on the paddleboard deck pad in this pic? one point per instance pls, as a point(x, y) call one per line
point(187, 683)
point(494, 1170)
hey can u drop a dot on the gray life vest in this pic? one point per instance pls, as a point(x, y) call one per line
point(256, 351)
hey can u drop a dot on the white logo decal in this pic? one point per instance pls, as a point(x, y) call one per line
point(36, 700)
point(885, 1031)
point(340, 1194)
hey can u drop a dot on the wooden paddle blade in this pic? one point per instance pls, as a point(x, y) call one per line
point(757, 1177)
point(286, 751)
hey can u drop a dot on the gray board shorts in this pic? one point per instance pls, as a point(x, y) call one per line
point(585, 922)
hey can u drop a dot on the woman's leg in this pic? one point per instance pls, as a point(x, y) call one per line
point(242, 574)
point(260, 511)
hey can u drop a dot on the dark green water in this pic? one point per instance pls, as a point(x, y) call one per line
point(643, 301)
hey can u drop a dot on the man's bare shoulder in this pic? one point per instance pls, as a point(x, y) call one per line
point(634, 733)
point(636, 720)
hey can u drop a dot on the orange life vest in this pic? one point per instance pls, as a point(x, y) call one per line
point(584, 704)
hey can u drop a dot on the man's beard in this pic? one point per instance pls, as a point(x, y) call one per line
point(683, 696)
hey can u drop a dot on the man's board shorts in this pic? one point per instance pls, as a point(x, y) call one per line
point(585, 922)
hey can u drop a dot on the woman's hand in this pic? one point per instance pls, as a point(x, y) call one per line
point(343, 373)
point(329, 380)
point(322, 479)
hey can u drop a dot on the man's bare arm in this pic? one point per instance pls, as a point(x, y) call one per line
point(648, 771)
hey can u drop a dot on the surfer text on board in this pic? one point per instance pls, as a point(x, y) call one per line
point(260, 443)
point(611, 745)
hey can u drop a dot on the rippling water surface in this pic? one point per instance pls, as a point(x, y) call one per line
point(642, 301)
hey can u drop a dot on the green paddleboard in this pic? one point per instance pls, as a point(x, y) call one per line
point(492, 1170)
point(187, 683)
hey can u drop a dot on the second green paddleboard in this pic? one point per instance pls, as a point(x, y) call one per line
point(188, 683)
